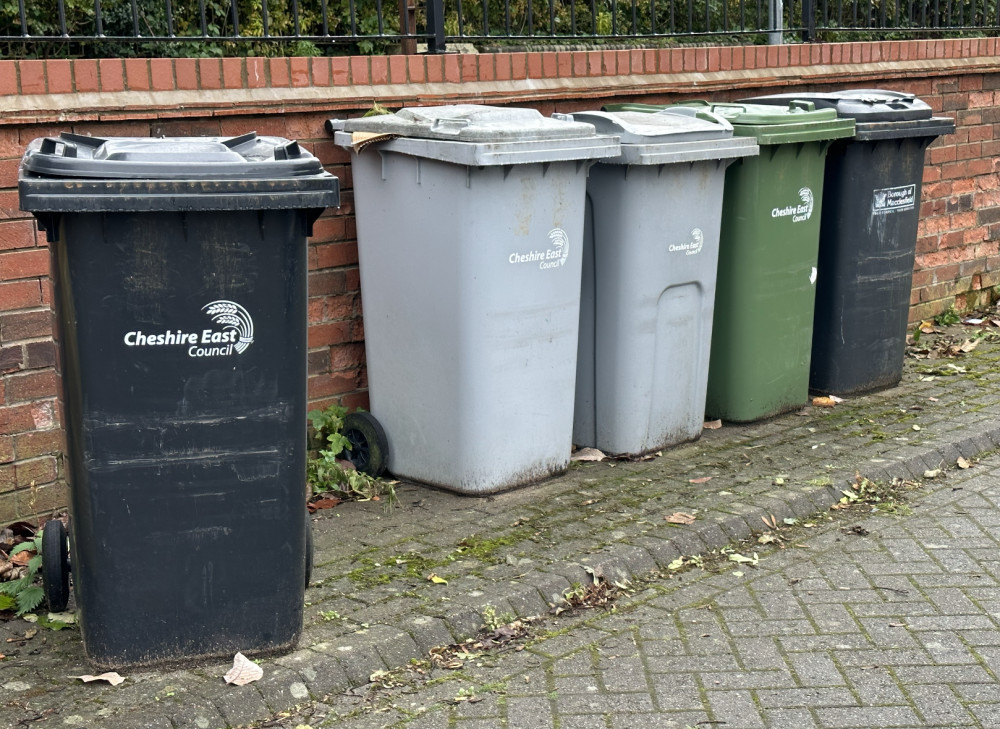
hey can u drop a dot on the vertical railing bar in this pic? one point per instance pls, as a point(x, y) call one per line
point(354, 19)
point(652, 17)
point(24, 18)
point(743, 15)
point(98, 20)
point(265, 18)
point(135, 20)
point(635, 17)
point(435, 26)
point(486, 18)
point(326, 18)
point(506, 17)
point(593, 15)
point(614, 17)
point(170, 19)
point(552, 17)
point(690, 16)
point(531, 19)
point(572, 16)
point(203, 17)
point(461, 19)
point(725, 16)
point(883, 14)
point(62, 19)
point(298, 28)
point(378, 12)
point(236, 18)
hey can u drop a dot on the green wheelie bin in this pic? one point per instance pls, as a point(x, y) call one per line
point(768, 249)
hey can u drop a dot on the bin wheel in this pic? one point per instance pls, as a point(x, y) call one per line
point(369, 450)
point(55, 565)
point(309, 549)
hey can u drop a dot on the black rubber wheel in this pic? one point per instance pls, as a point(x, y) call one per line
point(55, 565)
point(309, 549)
point(369, 448)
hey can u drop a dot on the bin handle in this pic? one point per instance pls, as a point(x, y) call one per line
point(799, 105)
point(237, 141)
point(288, 151)
point(58, 147)
point(449, 125)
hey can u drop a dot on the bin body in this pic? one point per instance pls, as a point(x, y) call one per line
point(183, 337)
point(871, 203)
point(651, 239)
point(470, 260)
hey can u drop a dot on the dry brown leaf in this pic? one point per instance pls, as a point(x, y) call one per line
point(588, 454)
point(962, 463)
point(680, 517)
point(113, 678)
point(22, 558)
point(326, 503)
point(968, 345)
point(712, 424)
point(703, 479)
point(773, 523)
point(244, 671)
point(824, 402)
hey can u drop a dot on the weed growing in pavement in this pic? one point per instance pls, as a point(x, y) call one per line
point(24, 594)
point(327, 472)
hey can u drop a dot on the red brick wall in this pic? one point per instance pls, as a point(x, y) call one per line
point(957, 261)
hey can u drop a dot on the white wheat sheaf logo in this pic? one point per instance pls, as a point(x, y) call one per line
point(806, 196)
point(561, 241)
point(231, 315)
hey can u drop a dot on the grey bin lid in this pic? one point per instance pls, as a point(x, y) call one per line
point(478, 136)
point(73, 173)
point(469, 123)
point(669, 136)
point(169, 158)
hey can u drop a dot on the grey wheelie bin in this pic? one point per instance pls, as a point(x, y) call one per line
point(651, 248)
point(180, 278)
point(871, 208)
point(470, 235)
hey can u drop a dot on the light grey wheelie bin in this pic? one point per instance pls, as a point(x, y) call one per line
point(470, 238)
point(651, 248)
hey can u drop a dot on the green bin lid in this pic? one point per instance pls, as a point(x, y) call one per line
point(798, 121)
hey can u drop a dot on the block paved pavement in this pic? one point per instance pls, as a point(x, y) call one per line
point(890, 621)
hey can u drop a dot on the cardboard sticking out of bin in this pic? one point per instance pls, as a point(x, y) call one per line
point(362, 140)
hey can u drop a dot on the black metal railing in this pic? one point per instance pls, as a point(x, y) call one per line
point(46, 28)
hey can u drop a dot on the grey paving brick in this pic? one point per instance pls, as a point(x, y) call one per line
point(736, 708)
point(868, 717)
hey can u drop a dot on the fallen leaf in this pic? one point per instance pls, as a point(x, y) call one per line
point(327, 503)
point(68, 618)
point(934, 473)
point(588, 454)
point(790, 521)
point(433, 577)
point(22, 558)
point(767, 539)
point(933, 399)
point(897, 625)
point(916, 427)
point(680, 517)
point(737, 574)
point(824, 402)
point(741, 559)
point(968, 345)
point(676, 564)
point(703, 479)
point(113, 678)
point(773, 523)
point(244, 671)
point(712, 424)
point(962, 463)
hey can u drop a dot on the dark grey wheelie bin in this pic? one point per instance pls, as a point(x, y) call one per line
point(871, 208)
point(180, 277)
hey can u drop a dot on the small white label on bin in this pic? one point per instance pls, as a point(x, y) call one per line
point(696, 240)
point(552, 257)
point(231, 334)
point(802, 211)
point(894, 199)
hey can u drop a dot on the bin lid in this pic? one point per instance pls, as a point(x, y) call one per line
point(470, 123)
point(680, 134)
point(872, 109)
point(169, 158)
point(470, 134)
point(73, 173)
point(797, 121)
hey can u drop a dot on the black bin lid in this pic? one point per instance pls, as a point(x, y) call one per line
point(77, 174)
point(169, 158)
point(863, 105)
